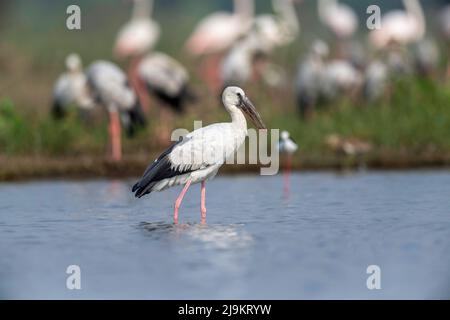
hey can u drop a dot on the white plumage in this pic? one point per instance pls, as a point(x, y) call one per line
point(237, 66)
point(339, 18)
point(199, 155)
point(218, 31)
point(340, 76)
point(309, 77)
point(71, 88)
point(401, 27)
point(286, 144)
point(280, 29)
point(163, 73)
point(376, 79)
point(140, 34)
point(109, 85)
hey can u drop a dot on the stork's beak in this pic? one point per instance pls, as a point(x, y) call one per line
point(250, 110)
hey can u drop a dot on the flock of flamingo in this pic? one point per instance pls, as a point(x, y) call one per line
point(231, 50)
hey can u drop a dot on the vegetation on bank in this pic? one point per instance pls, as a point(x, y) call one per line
point(412, 123)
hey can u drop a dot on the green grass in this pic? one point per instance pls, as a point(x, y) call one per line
point(415, 120)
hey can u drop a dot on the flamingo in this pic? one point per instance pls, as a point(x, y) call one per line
point(268, 32)
point(287, 147)
point(198, 156)
point(71, 88)
point(109, 86)
point(280, 29)
point(339, 18)
point(216, 33)
point(134, 39)
point(400, 27)
point(244, 63)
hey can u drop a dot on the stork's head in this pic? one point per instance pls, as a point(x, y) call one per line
point(73, 62)
point(234, 97)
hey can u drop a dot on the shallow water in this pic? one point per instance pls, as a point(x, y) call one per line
point(316, 244)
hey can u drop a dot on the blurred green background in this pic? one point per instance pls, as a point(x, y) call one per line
point(34, 42)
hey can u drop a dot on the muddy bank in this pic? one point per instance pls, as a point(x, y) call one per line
point(89, 167)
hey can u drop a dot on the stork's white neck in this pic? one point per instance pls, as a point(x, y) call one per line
point(142, 9)
point(237, 118)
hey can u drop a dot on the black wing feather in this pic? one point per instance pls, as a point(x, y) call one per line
point(159, 170)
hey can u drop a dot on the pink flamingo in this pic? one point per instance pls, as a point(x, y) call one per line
point(400, 27)
point(134, 39)
point(215, 34)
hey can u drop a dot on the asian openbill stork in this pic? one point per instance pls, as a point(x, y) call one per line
point(198, 156)
point(71, 88)
point(110, 88)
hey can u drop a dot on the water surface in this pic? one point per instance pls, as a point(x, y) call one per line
point(317, 244)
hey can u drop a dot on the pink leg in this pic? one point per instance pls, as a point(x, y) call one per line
point(287, 173)
point(115, 134)
point(138, 85)
point(179, 200)
point(203, 202)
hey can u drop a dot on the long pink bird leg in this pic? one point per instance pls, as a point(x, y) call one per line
point(203, 202)
point(138, 85)
point(115, 136)
point(179, 200)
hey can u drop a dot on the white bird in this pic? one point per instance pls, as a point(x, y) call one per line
point(139, 34)
point(309, 77)
point(279, 29)
point(218, 31)
point(214, 35)
point(340, 77)
point(400, 27)
point(134, 39)
point(167, 79)
point(237, 66)
point(71, 88)
point(287, 147)
point(376, 79)
point(427, 57)
point(110, 88)
point(339, 18)
point(198, 156)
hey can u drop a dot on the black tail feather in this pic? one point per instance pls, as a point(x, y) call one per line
point(179, 102)
point(133, 120)
point(58, 111)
